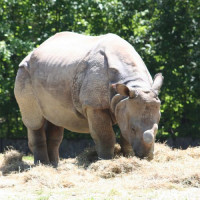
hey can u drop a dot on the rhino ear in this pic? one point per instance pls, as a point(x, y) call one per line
point(121, 89)
point(157, 83)
point(124, 90)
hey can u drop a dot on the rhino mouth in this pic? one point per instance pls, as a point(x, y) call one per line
point(148, 157)
point(148, 154)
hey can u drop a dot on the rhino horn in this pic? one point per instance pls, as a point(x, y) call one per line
point(148, 137)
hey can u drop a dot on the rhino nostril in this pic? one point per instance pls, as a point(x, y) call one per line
point(148, 137)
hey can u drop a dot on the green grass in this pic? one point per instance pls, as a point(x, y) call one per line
point(28, 158)
point(43, 194)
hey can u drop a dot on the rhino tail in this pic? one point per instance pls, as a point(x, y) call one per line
point(25, 62)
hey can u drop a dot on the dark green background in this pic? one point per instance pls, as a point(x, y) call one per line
point(165, 33)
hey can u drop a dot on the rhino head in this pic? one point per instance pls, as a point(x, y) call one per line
point(137, 112)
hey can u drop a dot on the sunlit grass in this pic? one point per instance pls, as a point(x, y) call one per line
point(28, 158)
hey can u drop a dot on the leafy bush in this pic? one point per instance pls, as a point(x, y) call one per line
point(165, 33)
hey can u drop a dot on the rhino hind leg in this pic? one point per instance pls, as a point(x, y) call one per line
point(100, 125)
point(31, 116)
point(30, 110)
point(54, 135)
point(38, 146)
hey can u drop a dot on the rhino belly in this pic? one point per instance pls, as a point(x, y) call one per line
point(57, 107)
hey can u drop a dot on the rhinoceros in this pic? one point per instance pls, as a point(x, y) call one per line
point(87, 84)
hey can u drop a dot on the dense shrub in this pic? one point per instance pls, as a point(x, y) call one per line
point(165, 33)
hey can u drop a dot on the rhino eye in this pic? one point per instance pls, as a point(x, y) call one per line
point(147, 92)
point(133, 130)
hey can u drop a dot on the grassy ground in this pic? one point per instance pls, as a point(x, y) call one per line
point(173, 174)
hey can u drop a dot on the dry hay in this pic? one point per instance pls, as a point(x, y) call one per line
point(115, 167)
point(46, 177)
point(12, 162)
point(169, 169)
point(89, 156)
point(107, 168)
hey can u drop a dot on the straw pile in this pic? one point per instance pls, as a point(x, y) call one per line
point(170, 169)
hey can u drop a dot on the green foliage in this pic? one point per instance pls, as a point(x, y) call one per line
point(165, 33)
point(176, 45)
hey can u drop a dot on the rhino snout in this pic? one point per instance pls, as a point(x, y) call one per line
point(148, 137)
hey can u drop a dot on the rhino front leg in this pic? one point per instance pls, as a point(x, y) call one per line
point(38, 146)
point(54, 138)
point(100, 125)
point(126, 148)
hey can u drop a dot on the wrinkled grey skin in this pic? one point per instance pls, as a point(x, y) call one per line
point(86, 84)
